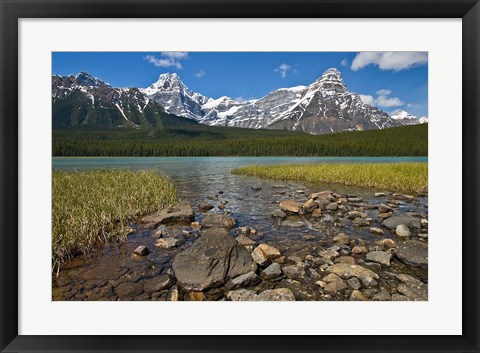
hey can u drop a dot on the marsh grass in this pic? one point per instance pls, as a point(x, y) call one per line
point(95, 206)
point(406, 177)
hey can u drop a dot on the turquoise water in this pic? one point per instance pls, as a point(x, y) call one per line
point(210, 178)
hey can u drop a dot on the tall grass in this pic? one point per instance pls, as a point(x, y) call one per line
point(406, 177)
point(93, 206)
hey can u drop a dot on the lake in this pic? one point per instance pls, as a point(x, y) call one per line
point(249, 199)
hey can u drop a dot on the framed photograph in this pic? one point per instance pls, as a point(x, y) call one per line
point(180, 176)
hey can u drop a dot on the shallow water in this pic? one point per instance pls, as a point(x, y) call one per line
point(249, 199)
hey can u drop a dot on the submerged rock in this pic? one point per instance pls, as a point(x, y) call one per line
point(128, 290)
point(167, 243)
point(141, 250)
point(218, 220)
point(158, 283)
point(203, 206)
point(396, 219)
point(290, 206)
point(310, 205)
point(179, 213)
point(278, 213)
point(212, 260)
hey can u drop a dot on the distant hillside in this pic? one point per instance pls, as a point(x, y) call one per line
point(192, 139)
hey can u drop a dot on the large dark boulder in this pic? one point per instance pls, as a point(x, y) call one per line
point(211, 261)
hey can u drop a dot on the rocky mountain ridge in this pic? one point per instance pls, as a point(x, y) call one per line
point(324, 106)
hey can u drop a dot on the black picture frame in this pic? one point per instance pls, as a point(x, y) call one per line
point(12, 11)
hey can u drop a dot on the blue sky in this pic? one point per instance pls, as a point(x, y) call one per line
point(389, 80)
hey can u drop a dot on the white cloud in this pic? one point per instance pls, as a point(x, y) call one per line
point(384, 101)
point(389, 60)
point(409, 105)
point(344, 62)
point(169, 59)
point(384, 92)
point(179, 55)
point(283, 69)
point(200, 74)
point(367, 99)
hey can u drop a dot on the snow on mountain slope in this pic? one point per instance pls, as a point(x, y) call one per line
point(408, 119)
point(324, 106)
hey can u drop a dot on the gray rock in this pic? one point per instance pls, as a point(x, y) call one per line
point(332, 206)
point(328, 254)
point(382, 296)
point(357, 296)
point(354, 283)
point(399, 298)
point(334, 287)
point(212, 260)
point(173, 294)
point(397, 219)
point(128, 290)
point(244, 240)
point(157, 283)
point(360, 222)
point(272, 272)
point(213, 220)
point(245, 280)
point(346, 271)
point(294, 272)
point(203, 206)
point(167, 243)
point(413, 291)
point(328, 219)
point(345, 260)
point(179, 213)
point(376, 231)
point(413, 253)
point(310, 205)
point(241, 295)
point(141, 250)
point(381, 257)
point(279, 294)
point(290, 206)
point(259, 256)
point(292, 224)
point(341, 238)
point(402, 231)
point(278, 213)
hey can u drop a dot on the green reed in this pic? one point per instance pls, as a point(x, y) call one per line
point(406, 177)
point(95, 206)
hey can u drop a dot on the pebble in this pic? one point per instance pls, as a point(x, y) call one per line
point(402, 231)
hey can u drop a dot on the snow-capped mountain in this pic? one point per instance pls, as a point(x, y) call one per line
point(423, 120)
point(325, 106)
point(176, 98)
point(84, 100)
point(408, 119)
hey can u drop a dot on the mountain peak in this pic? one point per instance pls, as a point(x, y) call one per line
point(332, 71)
point(331, 81)
point(168, 80)
point(83, 78)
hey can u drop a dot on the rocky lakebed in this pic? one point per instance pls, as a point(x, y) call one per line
point(307, 246)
